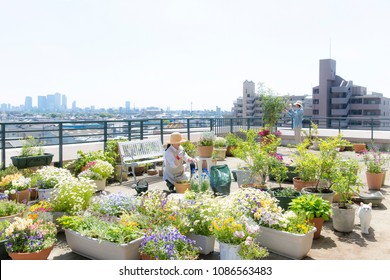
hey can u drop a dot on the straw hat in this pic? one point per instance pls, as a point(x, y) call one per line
point(299, 102)
point(176, 138)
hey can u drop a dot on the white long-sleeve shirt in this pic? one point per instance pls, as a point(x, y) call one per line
point(173, 165)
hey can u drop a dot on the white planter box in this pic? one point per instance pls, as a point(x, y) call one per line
point(100, 184)
point(96, 249)
point(229, 251)
point(290, 245)
point(206, 243)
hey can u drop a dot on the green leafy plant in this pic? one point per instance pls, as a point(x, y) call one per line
point(84, 158)
point(3, 225)
point(207, 138)
point(31, 147)
point(287, 191)
point(10, 207)
point(220, 142)
point(232, 139)
point(375, 161)
point(189, 148)
point(312, 206)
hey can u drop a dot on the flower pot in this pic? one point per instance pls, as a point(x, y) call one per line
point(206, 243)
point(145, 257)
point(33, 194)
point(32, 161)
point(318, 223)
point(220, 153)
point(229, 150)
point(284, 200)
point(343, 219)
point(20, 196)
point(182, 187)
point(160, 172)
point(246, 177)
point(359, 147)
point(100, 184)
point(11, 218)
point(117, 173)
point(374, 180)
point(152, 172)
point(229, 251)
point(299, 184)
point(40, 255)
point(45, 194)
point(96, 249)
point(328, 195)
point(290, 245)
point(205, 151)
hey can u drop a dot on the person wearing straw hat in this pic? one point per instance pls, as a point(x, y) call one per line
point(175, 158)
point(297, 117)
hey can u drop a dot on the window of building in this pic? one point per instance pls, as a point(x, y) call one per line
point(356, 112)
point(248, 95)
point(316, 91)
point(316, 112)
point(356, 101)
point(316, 101)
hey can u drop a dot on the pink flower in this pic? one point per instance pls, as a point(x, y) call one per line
point(239, 234)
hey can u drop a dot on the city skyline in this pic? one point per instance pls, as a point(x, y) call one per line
point(183, 54)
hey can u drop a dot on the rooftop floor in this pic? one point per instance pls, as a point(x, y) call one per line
point(330, 246)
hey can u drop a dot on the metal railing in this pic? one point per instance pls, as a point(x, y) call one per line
point(61, 133)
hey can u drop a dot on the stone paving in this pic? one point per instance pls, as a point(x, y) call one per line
point(330, 246)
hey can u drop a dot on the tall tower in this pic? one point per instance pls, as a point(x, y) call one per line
point(248, 97)
point(64, 102)
point(42, 104)
point(327, 76)
point(28, 103)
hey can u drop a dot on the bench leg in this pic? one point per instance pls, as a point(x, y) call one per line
point(135, 178)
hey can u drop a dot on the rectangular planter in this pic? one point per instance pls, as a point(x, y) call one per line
point(206, 243)
point(32, 161)
point(96, 249)
point(290, 245)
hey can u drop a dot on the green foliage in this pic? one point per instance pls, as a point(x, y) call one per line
point(8, 171)
point(190, 148)
point(111, 152)
point(306, 163)
point(312, 206)
point(287, 191)
point(272, 105)
point(31, 147)
point(220, 142)
point(3, 225)
point(278, 169)
point(10, 207)
point(84, 158)
point(232, 139)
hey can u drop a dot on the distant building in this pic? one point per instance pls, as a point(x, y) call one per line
point(28, 103)
point(42, 104)
point(74, 107)
point(127, 107)
point(57, 101)
point(338, 98)
point(64, 104)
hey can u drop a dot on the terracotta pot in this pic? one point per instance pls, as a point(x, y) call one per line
point(21, 196)
point(205, 151)
point(182, 187)
point(318, 223)
point(147, 257)
point(152, 172)
point(299, 184)
point(229, 151)
point(374, 180)
point(33, 194)
point(40, 255)
point(359, 147)
point(160, 173)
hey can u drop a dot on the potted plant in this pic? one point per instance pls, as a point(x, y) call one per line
point(306, 165)
point(285, 195)
point(315, 208)
point(312, 139)
point(17, 187)
point(97, 238)
point(231, 142)
point(72, 196)
point(10, 209)
point(182, 186)
point(197, 212)
point(168, 244)
point(206, 144)
point(346, 184)
point(31, 155)
point(28, 239)
point(282, 232)
point(3, 226)
point(48, 178)
point(98, 171)
point(111, 154)
point(236, 237)
point(220, 145)
point(375, 162)
point(189, 148)
point(359, 147)
point(272, 106)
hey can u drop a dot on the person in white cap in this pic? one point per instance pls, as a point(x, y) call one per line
point(297, 117)
point(175, 158)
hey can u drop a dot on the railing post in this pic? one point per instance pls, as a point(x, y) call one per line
point(231, 125)
point(248, 125)
point(129, 130)
point(105, 135)
point(211, 125)
point(339, 125)
point(2, 146)
point(372, 130)
point(188, 130)
point(60, 145)
point(141, 124)
point(162, 131)
point(309, 125)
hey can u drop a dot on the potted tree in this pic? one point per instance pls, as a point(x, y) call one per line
point(375, 162)
point(31, 155)
point(315, 208)
point(232, 142)
point(346, 184)
point(306, 165)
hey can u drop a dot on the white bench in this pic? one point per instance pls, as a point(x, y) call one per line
point(137, 152)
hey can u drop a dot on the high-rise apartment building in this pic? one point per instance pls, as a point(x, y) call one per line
point(64, 104)
point(57, 101)
point(345, 102)
point(42, 104)
point(74, 107)
point(127, 107)
point(28, 103)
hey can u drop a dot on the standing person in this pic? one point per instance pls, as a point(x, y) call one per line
point(175, 158)
point(297, 116)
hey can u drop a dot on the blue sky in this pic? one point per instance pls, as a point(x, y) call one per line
point(171, 53)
